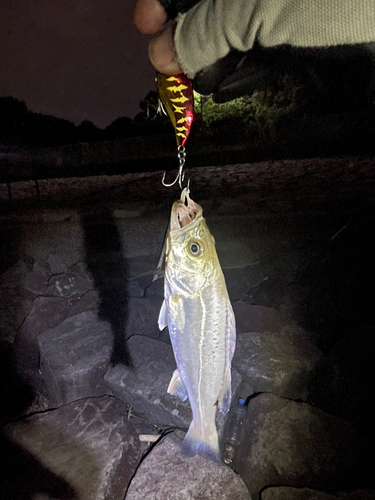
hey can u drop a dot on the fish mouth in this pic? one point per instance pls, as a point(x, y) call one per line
point(184, 211)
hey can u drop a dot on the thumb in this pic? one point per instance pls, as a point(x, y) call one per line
point(162, 53)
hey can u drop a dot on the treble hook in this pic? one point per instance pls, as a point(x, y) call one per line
point(181, 155)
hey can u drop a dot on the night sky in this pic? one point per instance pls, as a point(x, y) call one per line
point(74, 59)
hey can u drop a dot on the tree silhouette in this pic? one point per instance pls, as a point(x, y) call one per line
point(121, 127)
point(88, 132)
point(19, 126)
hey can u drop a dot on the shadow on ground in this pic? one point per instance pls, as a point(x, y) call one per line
point(105, 261)
point(22, 477)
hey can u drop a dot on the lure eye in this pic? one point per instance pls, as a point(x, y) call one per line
point(195, 248)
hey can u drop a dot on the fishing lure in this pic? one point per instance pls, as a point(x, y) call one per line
point(177, 96)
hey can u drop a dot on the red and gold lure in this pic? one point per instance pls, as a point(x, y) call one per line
point(176, 94)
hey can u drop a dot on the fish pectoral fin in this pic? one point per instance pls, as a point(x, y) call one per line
point(163, 317)
point(225, 395)
point(176, 386)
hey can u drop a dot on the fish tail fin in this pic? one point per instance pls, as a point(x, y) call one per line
point(199, 442)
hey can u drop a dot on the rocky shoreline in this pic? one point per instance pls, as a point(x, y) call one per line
point(85, 367)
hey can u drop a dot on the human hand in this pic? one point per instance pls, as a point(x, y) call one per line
point(210, 39)
point(150, 16)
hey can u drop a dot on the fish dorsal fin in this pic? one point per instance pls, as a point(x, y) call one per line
point(176, 386)
point(163, 317)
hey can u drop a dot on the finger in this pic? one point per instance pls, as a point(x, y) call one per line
point(149, 16)
point(162, 53)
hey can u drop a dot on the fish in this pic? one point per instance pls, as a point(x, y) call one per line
point(201, 323)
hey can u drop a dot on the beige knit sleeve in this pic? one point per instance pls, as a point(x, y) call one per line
point(213, 27)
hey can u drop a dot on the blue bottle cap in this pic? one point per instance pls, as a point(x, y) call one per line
point(241, 401)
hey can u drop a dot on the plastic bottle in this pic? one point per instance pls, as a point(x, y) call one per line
point(234, 431)
point(228, 454)
point(236, 421)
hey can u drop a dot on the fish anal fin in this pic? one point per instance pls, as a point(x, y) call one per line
point(225, 395)
point(176, 386)
point(163, 318)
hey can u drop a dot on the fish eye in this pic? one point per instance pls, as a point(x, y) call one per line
point(195, 248)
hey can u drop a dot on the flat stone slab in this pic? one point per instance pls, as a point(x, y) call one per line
point(46, 313)
point(74, 357)
point(165, 474)
point(87, 450)
point(294, 444)
point(281, 362)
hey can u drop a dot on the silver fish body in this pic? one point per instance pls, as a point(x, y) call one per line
point(201, 324)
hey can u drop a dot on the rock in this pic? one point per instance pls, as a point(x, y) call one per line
point(74, 357)
point(280, 362)
point(156, 290)
point(285, 493)
point(14, 307)
point(13, 277)
point(234, 253)
point(58, 263)
point(142, 236)
point(165, 474)
point(60, 216)
point(254, 318)
point(242, 280)
point(45, 313)
point(15, 300)
point(126, 213)
point(87, 448)
point(69, 284)
point(57, 245)
point(144, 385)
point(36, 283)
point(140, 274)
point(295, 444)
point(42, 281)
point(11, 384)
point(357, 495)
point(340, 387)
point(142, 319)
